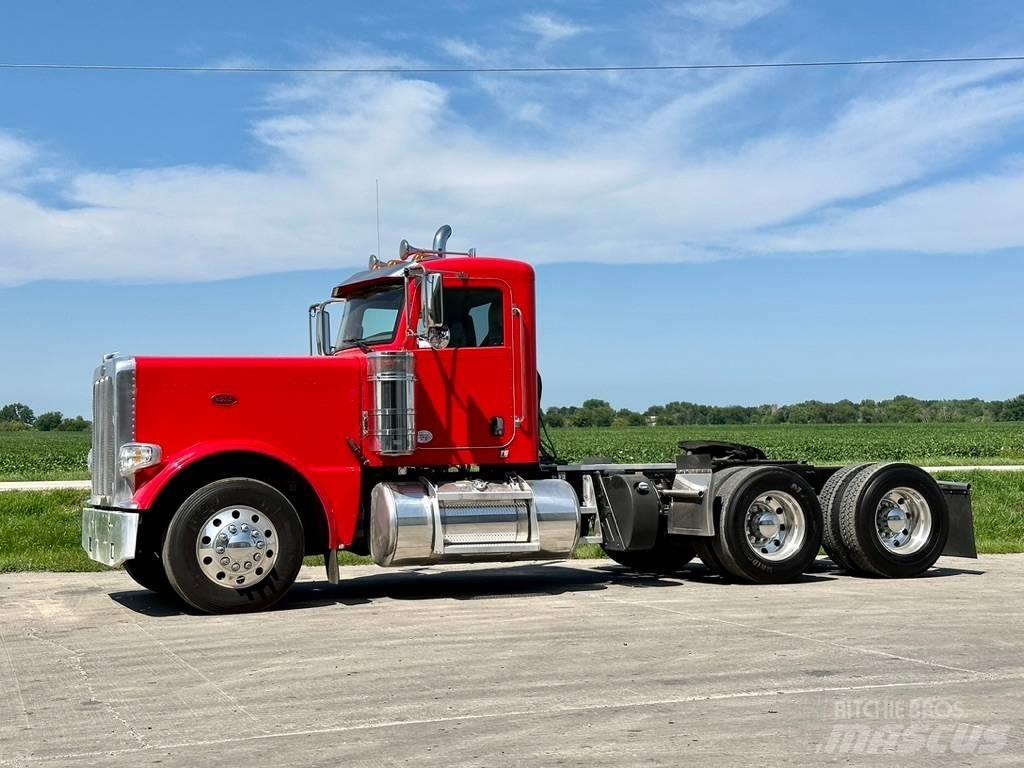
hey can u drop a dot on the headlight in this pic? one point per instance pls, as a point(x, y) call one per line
point(135, 456)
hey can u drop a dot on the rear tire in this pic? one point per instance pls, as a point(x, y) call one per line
point(670, 554)
point(894, 520)
point(234, 545)
point(831, 497)
point(770, 525)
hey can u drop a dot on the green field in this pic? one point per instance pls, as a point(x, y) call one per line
point(926, 444)
point(40, 531)
point(34, 455)
point(61, 455)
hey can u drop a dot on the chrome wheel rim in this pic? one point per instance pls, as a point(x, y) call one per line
point(903, 521)
point(775, 526)
point(237, 547)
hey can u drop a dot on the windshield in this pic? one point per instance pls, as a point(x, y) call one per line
point(371, 317)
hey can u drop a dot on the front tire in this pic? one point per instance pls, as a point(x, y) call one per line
point(234, 545)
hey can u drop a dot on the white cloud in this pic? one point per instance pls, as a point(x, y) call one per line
point(550, 29)
point(649, 181)
point(728, 14)
point(965, 216)
point(15, 155)
point(462, 50)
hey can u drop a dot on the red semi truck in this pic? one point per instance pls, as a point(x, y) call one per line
point(419, 443)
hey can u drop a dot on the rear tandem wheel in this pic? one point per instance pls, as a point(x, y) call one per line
point(893, 520)
point(768, 527)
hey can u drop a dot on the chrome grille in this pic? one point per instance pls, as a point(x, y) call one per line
point(113, 425)
point(103, 435)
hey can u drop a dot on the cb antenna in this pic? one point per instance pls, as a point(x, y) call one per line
point(376, 184)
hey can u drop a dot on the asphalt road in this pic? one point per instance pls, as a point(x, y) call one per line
point(556, 664)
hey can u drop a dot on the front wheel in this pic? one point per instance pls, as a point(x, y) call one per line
point(235, 545)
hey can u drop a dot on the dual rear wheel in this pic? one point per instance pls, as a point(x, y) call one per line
point(884, 520)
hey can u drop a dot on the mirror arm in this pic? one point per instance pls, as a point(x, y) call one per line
point(319, 329)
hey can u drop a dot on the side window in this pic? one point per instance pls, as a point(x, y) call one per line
point(475, 317)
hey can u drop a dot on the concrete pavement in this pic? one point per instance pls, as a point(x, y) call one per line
point(557, 664)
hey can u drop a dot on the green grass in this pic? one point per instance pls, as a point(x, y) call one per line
point(39, 531)
point(998, 501)
point(42, 532)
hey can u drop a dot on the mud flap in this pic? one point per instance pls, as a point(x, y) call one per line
point(961, 541)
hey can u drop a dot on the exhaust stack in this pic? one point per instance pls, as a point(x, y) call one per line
point(441, 239)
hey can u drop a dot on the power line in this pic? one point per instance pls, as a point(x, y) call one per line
point(254, 70)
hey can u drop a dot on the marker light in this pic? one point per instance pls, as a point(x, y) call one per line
point(135, 456)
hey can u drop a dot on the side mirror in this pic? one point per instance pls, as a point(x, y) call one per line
point(432, 311)
point(323, 332)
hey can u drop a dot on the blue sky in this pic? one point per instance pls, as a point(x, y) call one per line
point(724, 237)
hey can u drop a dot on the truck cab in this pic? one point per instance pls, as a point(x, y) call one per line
point(463, 327)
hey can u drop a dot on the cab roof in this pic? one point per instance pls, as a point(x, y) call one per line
point(471, 266)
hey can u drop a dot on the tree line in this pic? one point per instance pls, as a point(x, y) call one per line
point(18, 416)
point(898, 410)
point(599, 413)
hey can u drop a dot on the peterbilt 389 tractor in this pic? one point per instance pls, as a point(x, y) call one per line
point(426, 449)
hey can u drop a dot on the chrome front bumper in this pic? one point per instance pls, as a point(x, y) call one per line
point(109, 536)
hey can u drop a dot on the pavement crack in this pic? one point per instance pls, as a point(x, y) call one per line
point(235, 703)
point(14, 677)
point(73, 658)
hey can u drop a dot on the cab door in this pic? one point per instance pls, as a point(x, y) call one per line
point(466, 392)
